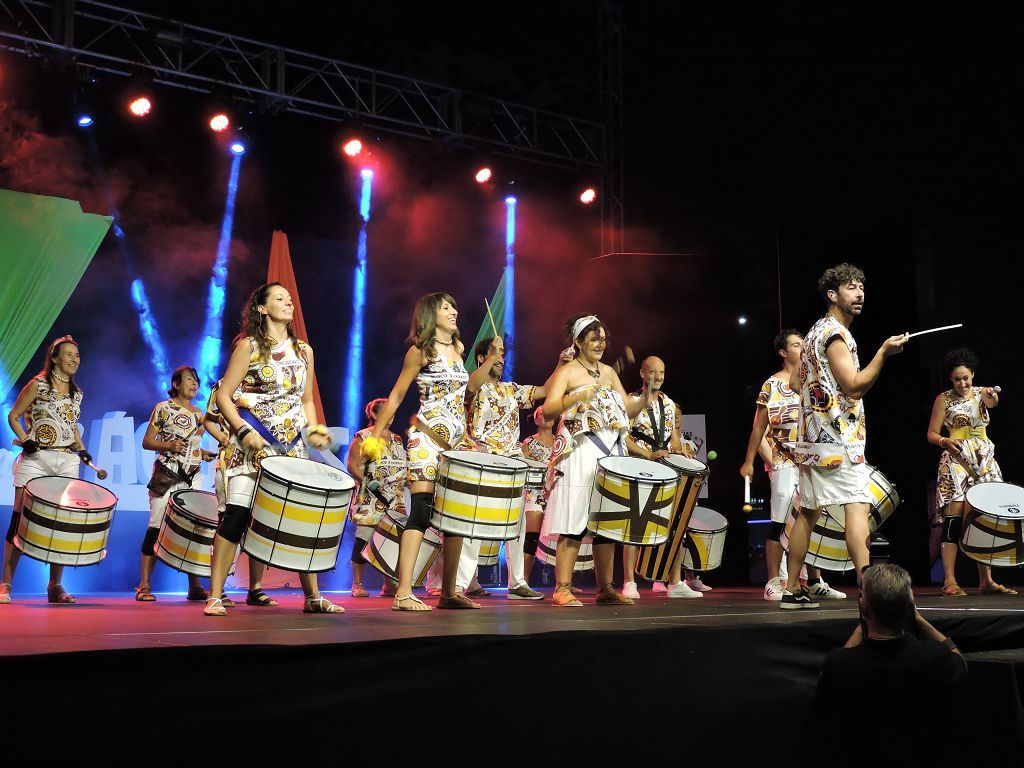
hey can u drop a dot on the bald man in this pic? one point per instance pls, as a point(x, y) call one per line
point(654, 434)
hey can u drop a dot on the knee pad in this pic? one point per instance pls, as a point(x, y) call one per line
point(233, 523)
point(357, 551)
point(775, 531)
point(952, 525)
point(419, 515)
point(148, 541)
point(13, 527)
point(530, 542)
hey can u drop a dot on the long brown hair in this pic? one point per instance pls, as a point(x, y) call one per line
point(254, 324)
point(52, 353)
point(423, 328)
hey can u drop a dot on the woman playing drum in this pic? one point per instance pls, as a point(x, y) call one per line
point(269, 380)
point(968, 457)
point(434, 362)
point(51, 445)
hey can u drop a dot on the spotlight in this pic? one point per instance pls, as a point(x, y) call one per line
point(140, 106)
point(84, 121)
point(366, 173)
point(483, 175)
point(219, 122)
point(588, 195)
point(237, 148)
point(510, 200)
point(743, 319)
point(352, 147)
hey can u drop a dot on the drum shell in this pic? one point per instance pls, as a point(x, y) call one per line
point(993, 530)
point(647, 489)
point(62, 534)
point(185, 540)
point(381, 551)
point(489, 553)
point(705, 540)
point(535, 474)
point(655, 563)
point(295, 525)
point(479, 496)
point(547, 547)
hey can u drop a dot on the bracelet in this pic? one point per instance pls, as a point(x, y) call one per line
point(318, 429)
point(948, 644)
point(242, 431)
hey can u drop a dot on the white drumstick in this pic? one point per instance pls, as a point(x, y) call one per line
point(997, 390)
point(746, 489)
point(100, 473)
point(935, 330)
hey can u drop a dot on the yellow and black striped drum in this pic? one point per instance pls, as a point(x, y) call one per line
point(827, 548)
point(535, 473)
point(705, 540)
point(547, 548)
point(298, 514)
point(479, 495)
point(185, 540)
point(489, 553)
point(992, 524)
point(655, 563)
point(381, 551)
point(65, 521)
point(632, 500)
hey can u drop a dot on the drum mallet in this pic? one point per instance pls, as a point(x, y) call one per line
point(746, 494)
point(100, 473)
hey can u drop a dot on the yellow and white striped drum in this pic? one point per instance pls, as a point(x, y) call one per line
point(298, 514)
point(65, 521)
point(705, 540)
point(381, 551)
point(632, 500)
point(489, 553)
point(547, 547)
point(655, 563)
point(992, 532)
point(535, 473)
point(185, 541)
point(827, 548)
point(479, 495)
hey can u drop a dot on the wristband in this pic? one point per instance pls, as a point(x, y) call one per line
point(242, 431)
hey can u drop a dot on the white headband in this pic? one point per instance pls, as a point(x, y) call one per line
point(582, 323)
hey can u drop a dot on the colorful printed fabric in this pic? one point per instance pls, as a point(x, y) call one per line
point(495, 416)
point(979, 453)
point(644, 430)
point(783, 406)
point(535, 450)
point(389, 472)
point(605, 411)
point(442, 385)
point(52, 418)
point(173, 421)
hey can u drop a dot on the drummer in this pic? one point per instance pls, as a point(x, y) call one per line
point(968, 458)
point(381, 488)
point(494, 425)
point(537, 447)
point(175, 429)
point(653, 435)
point(51, 444)
point(434, 362)
point(266, 399)
point(595, 413)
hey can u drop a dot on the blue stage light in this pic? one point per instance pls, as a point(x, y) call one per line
point(352, 398)
point(84, 121)
point(237, 148)
point(510, 286)
point(147, 325)
point(510, 200)
point(366, 173)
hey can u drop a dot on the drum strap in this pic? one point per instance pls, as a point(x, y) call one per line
point(600, 443)
point(433, 435)
point(261, 429)
point(660, 441)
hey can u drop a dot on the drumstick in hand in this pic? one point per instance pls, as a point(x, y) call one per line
point(746, 494)
point(100, 473)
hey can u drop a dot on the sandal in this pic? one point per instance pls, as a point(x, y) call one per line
point(608, 595)
point(954, 590)
point(5, 593)
point(358, 590)
point(399, 604)
point(259, 598)
point(478, 592)
point(215, 607)
point(226, 601)
point(433, 592)
point(564, 598)
point(390, 589)
point(144, 595)
point(56, 594)
point(321, 605)
point(458, 601)
point(197, 594)
point(997, 589)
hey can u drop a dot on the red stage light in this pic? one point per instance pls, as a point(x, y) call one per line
point(219, 122)
point(352, 147)
point(483, 175)
point(588, 196)
point(140, 106)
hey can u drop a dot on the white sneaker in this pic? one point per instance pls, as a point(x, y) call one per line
point(682, 590)
point(629, 590)
point(773, 590)
point(823, 591)
point(697, 585)
point(659, 586)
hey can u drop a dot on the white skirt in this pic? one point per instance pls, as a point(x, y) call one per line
point(569, 501)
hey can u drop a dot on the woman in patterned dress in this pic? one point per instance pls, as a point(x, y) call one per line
point(536, 447)
point(51, 444)
point(381, 488)
point(269, 379)
point(434, 362)
point(175, 429)
point(968, 457)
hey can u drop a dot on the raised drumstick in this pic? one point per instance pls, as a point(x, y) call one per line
point(934, 330)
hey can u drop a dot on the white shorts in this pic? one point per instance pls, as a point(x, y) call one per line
point(569, 502)
point(785, 491)
point(847, 484)
point(45, 462)
point(158, 504)
point(241, 489)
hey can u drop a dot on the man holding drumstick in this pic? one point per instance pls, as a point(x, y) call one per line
point(832, 432)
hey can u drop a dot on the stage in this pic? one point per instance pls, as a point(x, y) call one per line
point(659, 678)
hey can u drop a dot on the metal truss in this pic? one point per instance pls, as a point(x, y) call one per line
point(127, 43)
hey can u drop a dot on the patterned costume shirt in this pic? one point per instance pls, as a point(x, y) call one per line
point(176, 422)
point(442, 386)
point(53, 417)
point(783, 406)
point(495, 421)
point(605, 411)
point(272, 392)
point(660, 413)
point(978, 452)
point(368, 506)
point(832, 425)
point(535, 450)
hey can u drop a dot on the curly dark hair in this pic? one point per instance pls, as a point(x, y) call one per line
point(954, 358)
point(840, 274)
point(782, 340)
point(596, 325)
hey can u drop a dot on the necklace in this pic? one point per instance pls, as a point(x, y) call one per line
point(58, 377)
point(449, 343)
point(596, 374)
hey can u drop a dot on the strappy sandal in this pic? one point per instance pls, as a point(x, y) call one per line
point(321, 605)
point(997, 589)
point(226, 601)
point(400, 604)
point(478, 592)
point(5, 595)
point(564, 598)
point(259, 598)
point(953, 591)
point(215, 607)
point(144, 595)
point(358, 590)
point(57, 594)
point(458, 601)
point(197, 594)
point(608, 595)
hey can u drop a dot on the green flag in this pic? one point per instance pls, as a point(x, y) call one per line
point(486, 332)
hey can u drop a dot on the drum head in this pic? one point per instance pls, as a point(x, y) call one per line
point(485, 460)
point(997, 499)
point(291, 469)
point(685, 465)
point(639, 469)
point(705, 519)
point(198, 504)
point(536, 464)
point(71, 494)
